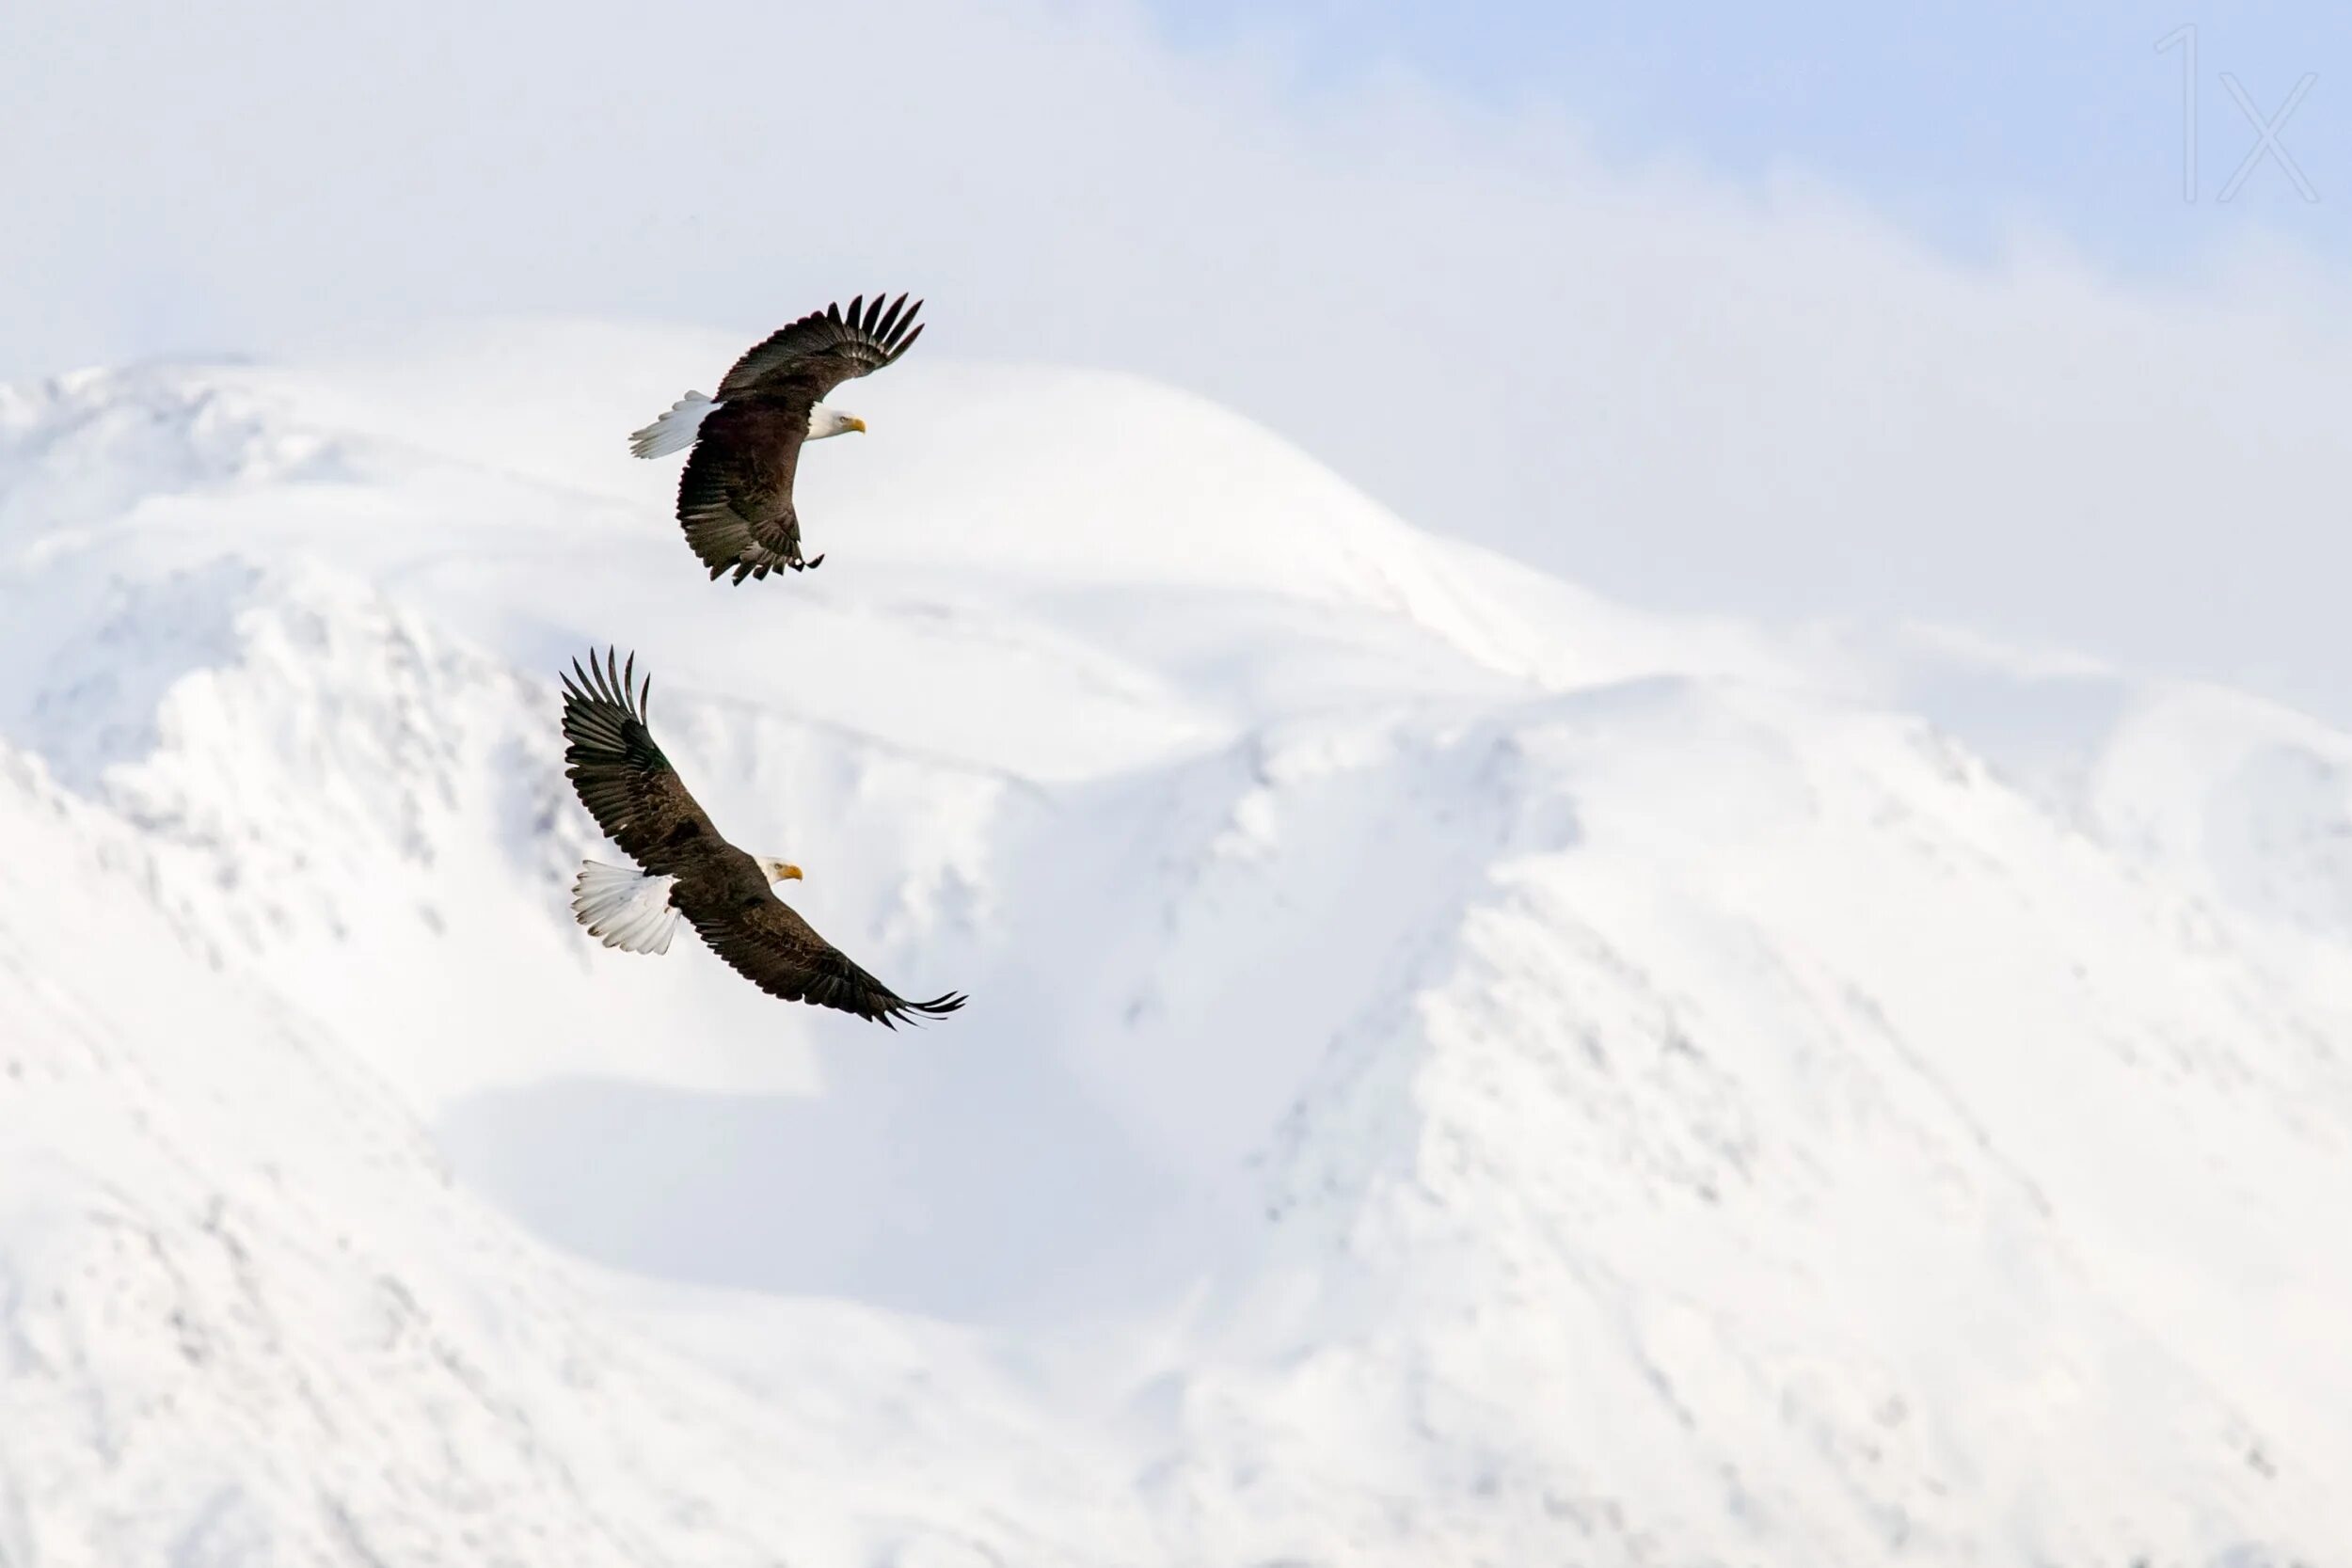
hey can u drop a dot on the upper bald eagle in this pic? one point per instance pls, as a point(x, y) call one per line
point(736, 495)
point(643, 805)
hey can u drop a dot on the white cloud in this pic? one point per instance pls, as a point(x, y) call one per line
point(1670, 387)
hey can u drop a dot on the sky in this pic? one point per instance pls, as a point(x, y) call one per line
point(1959, 120)
point(1829, 311)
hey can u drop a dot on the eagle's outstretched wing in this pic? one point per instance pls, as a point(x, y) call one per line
point(623, 779)
point(735, 499)
point(766, 942)
point(802, 363)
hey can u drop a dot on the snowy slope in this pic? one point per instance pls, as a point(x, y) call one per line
point(1458, 1071)
point(249, 1319)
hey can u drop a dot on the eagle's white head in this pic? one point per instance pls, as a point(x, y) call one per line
point(779, 871)
point(824, 421)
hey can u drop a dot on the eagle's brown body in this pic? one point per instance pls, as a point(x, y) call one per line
point(643, 805)
point(735, 499)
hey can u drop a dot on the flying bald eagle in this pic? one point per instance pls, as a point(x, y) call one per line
point(687, 870)
point(735, 499)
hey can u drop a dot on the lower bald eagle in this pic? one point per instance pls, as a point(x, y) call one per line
point(687, 870)
point(735, 499)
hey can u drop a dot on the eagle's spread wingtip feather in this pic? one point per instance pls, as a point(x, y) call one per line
point(938, 1006)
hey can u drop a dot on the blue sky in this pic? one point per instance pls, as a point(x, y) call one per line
point(1959, 122)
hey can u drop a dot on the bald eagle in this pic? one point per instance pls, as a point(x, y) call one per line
point(735, 499)
point(684, 867)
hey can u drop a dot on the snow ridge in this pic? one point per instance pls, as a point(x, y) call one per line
point(1457, 1071)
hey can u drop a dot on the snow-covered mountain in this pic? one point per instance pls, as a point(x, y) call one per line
point(1458, 1071)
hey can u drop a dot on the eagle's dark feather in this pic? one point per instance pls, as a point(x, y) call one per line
point(639, 801)
point(766, 942)
point(822, 350)
point(623, 779)
point(735, 499)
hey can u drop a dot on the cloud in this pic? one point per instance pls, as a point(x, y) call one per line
point(1761, 398)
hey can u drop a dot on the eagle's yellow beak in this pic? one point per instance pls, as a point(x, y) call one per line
point(787, 873)
point(855, 423)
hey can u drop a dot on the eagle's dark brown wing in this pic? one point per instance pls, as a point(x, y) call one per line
point(766, 941)
point(735, 499)
point(623, 779)
point(800, 363)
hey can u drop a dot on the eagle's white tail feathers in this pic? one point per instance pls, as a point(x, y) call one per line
point(675, 430)
point(627, 909)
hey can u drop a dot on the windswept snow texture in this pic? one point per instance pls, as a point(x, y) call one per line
point(1457, 1072)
